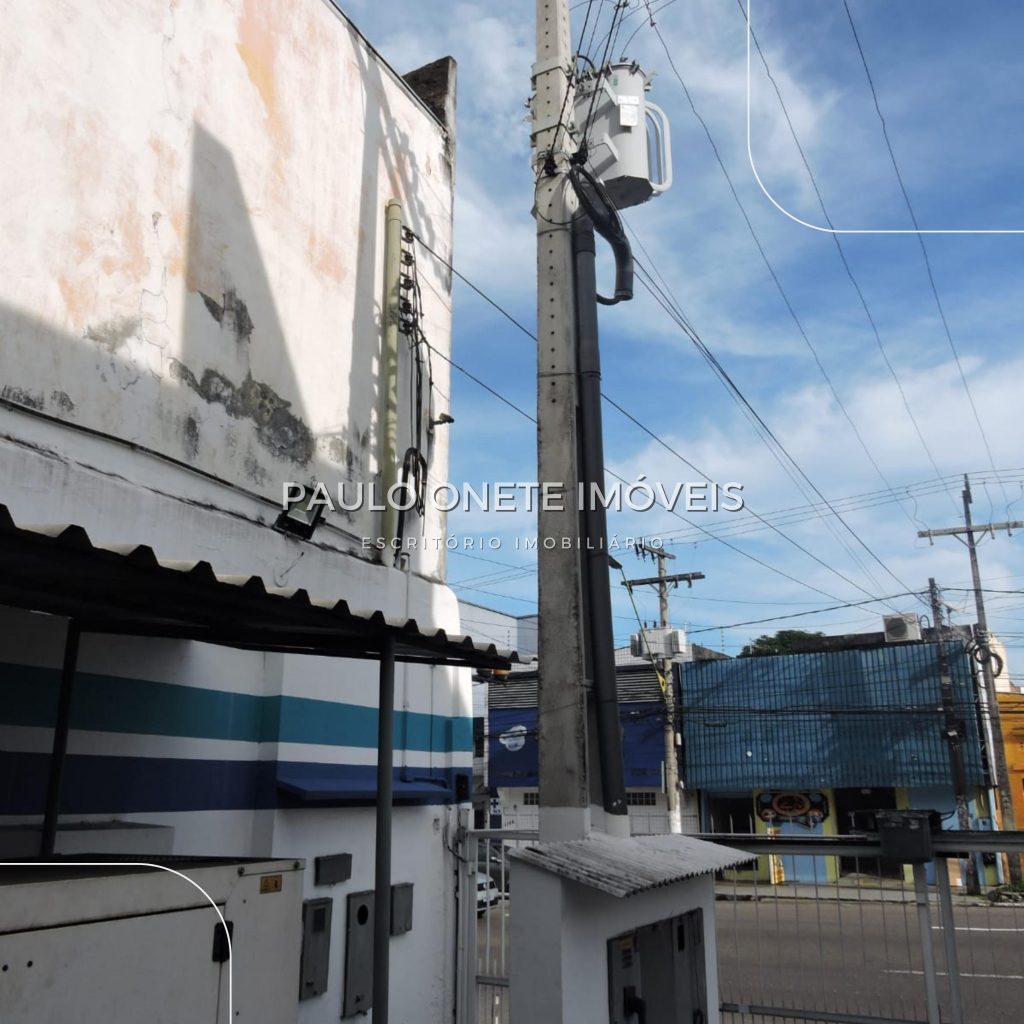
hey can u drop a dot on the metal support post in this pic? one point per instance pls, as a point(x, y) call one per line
point(382, 850)
point(467, 996)
point(924, 930)
point(48, 840)
point(949, 938)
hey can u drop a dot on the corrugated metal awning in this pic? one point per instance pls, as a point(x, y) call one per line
point(129, 590)
point(625, 867)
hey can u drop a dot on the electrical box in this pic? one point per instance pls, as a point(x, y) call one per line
point(660, 642)
point(657, 973)
point(315, 960)
point(112, 944)
point(628, 143)
point(358, 954)
point(906, 836)
point(401, 908)
point(332, 868)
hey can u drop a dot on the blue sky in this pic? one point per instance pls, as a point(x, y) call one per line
point(949, 85)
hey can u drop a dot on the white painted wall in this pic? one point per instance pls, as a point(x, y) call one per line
point(198, 201)
point(189, 318)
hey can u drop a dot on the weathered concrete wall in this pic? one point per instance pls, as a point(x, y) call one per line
point(197, 202)
point(190, 302)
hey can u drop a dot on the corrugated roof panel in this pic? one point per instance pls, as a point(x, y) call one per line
point(626, 867)
point(58, 569)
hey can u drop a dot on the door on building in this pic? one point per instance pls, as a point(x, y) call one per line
point(854, 808)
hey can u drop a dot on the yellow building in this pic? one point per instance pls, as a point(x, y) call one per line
point(1011, 710)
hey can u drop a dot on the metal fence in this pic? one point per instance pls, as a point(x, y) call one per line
point(485, 962)
point(862, 941)
point(865, 944)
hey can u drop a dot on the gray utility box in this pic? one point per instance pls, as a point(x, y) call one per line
point(359, 943)
point(316, 947)
point(104, 943)
point(616, 930)
point(657, 972)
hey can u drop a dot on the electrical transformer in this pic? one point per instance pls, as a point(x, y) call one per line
point(660, 642)
point(627, 136)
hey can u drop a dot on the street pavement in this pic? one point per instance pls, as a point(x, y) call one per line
point(863, 957)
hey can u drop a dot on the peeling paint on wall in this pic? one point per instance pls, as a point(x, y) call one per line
point(231, 314)
point(278, 429)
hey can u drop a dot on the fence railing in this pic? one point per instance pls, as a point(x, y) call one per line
point(851, 937)
point(484, 998)
point(817, 930)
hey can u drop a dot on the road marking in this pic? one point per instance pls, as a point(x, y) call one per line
point(964, 974)
point(978, 928)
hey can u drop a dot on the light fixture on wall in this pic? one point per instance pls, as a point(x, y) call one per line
point(443, 420)
point(301, 517)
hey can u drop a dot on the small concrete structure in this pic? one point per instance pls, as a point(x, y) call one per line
point(615, 929)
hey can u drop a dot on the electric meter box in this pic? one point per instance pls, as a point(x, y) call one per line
point(109, 943)
point(657, 972)
point(629, 148)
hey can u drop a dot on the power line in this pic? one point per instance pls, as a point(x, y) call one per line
point(799, 514)
point(665, 299)
point(771, 269)
point(522, 412)
point(920, 240)
point(815, 611)
point(842, 252)
point(769, 525)
point(667, 302)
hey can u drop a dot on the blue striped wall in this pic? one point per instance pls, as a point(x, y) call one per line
point(119, 785)
point(28, 697)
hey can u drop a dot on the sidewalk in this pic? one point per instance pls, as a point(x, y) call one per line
point(849, 890)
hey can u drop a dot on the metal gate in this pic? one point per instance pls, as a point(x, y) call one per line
point(863, 945)
point(856, 943)
point(484, 925)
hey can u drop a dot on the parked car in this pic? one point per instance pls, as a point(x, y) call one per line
point(493, 861)
point(487, 894)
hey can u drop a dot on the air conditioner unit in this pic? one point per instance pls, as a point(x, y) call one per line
point(901, 627)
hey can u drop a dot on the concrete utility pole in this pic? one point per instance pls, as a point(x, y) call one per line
point(952, 730)
point(991, 696)
point(662, 581)
point(562, 722)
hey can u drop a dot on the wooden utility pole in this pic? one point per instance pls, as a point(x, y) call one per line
point(662, 581)
point(562, 725)
point(953, 730)
point(971, 531)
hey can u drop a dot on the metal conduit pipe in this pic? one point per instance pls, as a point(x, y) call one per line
point(599, 632)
